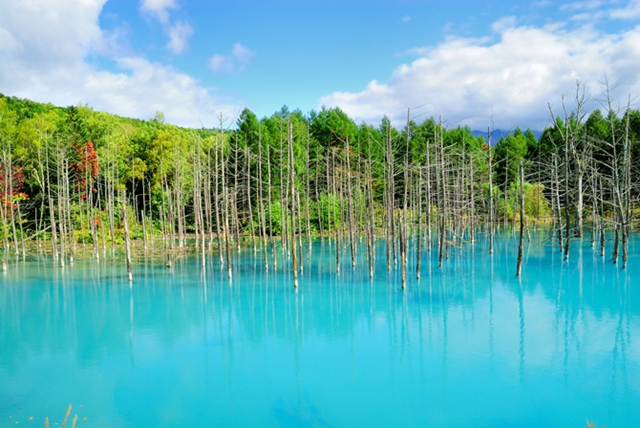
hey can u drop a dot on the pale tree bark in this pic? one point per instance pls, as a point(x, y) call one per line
point(522, 220)
point(127, 237)
point(293, 207)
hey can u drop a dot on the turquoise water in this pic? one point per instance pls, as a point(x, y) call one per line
point(467, 345)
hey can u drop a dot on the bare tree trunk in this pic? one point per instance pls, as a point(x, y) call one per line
point(404, 224)
point(299, 214)
point(602, 231)
point(336, 228)
point(352, 243)
point(429, 194)
point(317, 179)
point(491, 209)
point(616, 241)
point(92, 224)
point(521, 243)
point(391, 249)
point(145, 240)
point(52, 218)
point(579, 204)
point(372, 223)
point(249, 202)
point(207, 197)
point(293, 207)
point(283, 198)
point(236, 192)
point(12, 213)
point(261, 199)
point(556, 180)
point(197, 185)
point(593, 207)
point(218, 169)
point(329, 193)
point(442, 197)
point(110, 207)
point(61, 170)
point(506, 190)
point(419, 236)
point(308, 174)
point(626, 208)
point(102, 230)
point(227, 233)
point(127, 238)
point(67, 202)
point(3, 212)
point(178, 198)
point(273, 245)
point(566, 197)
point(472, 202)
point(22, 235)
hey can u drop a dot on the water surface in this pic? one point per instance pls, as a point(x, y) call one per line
point(467, 345)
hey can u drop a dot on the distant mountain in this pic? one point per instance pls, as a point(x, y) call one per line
point(496, 134)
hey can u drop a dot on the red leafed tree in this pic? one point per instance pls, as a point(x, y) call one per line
point(85, 167)
point(11, 186)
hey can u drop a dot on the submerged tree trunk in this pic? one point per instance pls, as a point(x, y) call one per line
point(273, 245)
point(521, 242)
point(293, 208)
point(127, 237)
point(261, 200)
point(567, 235)
point(491, 211)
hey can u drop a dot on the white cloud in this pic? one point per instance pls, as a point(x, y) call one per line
point(45, 46)
point(236, 61)
point(242, 53)
point(514, 77)
point(177, 95)
point(630, 11)
point(503, 24)
point(582, 5)
point(158, 9)
point(179, 33)
point(8, 43)
point(219, 63)
point(416, 51)
point(406, 18)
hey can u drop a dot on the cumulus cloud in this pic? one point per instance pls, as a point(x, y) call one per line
point(179, 33)
point(45, 47)
point(511, 80)
point(144, 88)
point(236, 61)
point(630, 11)
point(158, 9)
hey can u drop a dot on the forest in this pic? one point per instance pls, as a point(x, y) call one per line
point(77, 182)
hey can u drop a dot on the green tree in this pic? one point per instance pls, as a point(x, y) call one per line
point(509, 151)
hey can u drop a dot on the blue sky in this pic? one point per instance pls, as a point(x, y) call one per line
point(480, 64)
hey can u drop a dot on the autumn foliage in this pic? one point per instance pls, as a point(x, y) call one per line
point(85, 166)
point(12, 186)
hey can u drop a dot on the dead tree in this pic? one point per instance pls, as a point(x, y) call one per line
point(491, 209)
point(521, 241)
point(127, 237)
point(293, 207)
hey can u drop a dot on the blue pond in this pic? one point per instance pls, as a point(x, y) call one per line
point(467, 345)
